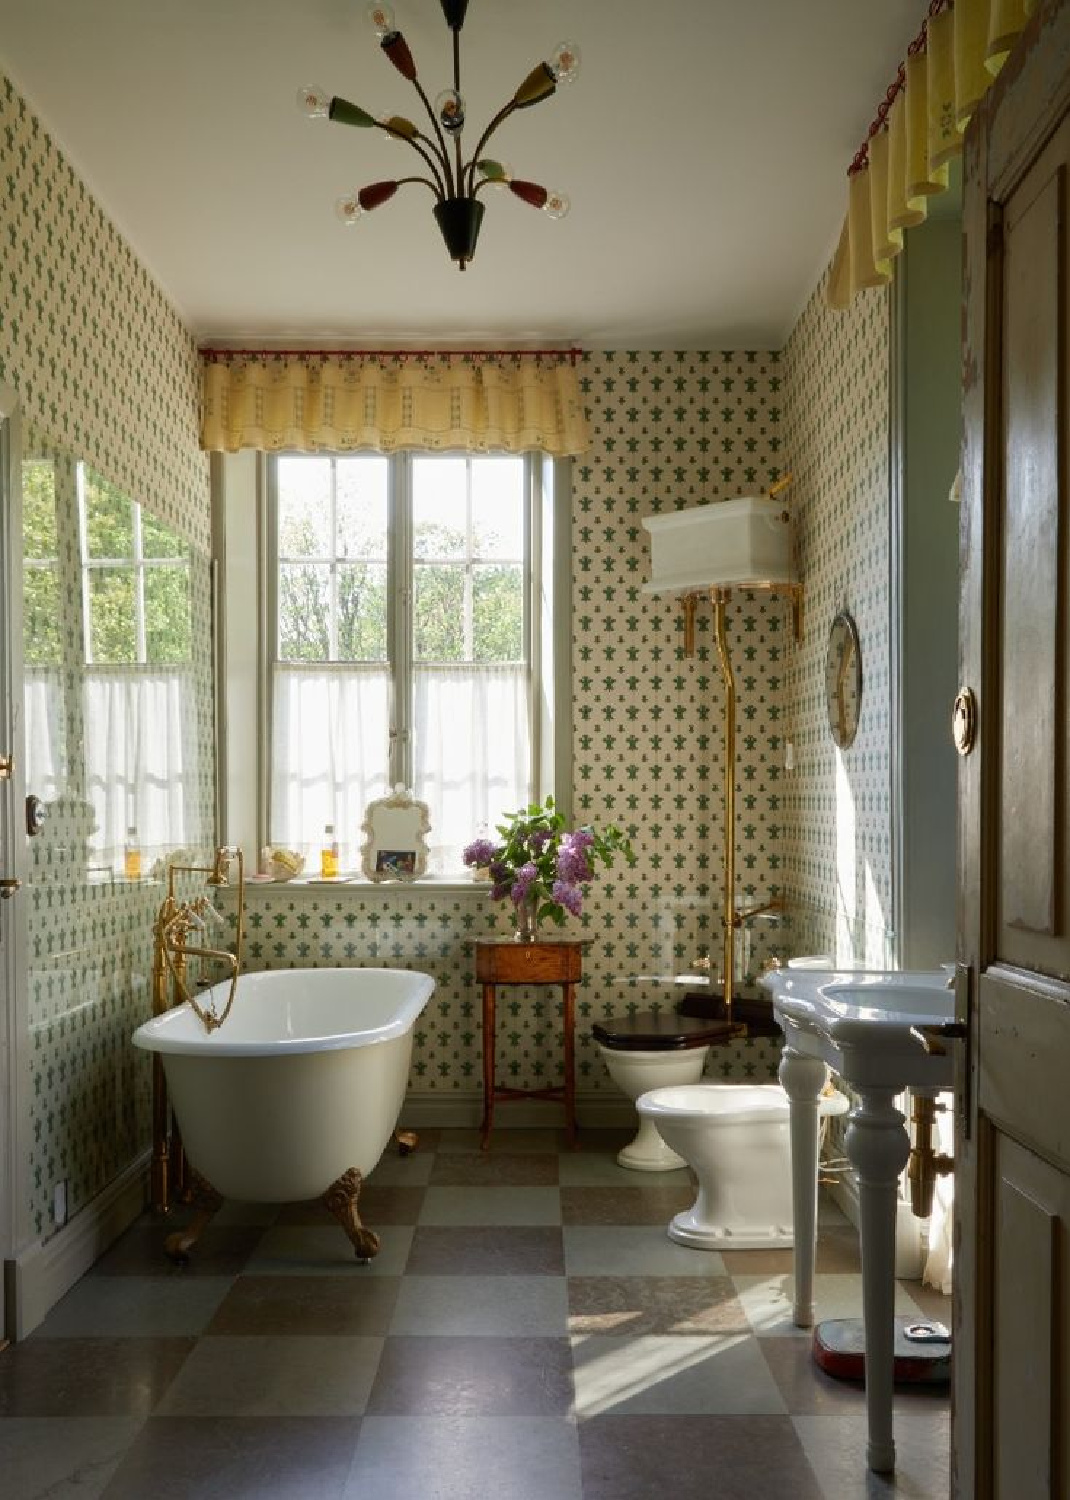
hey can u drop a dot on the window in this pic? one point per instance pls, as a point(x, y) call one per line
point(407, 642)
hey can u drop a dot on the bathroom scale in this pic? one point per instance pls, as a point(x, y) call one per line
point(922, 1350)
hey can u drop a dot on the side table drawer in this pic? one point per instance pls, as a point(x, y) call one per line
point(528, 963)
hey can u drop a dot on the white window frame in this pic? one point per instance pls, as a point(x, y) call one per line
point(246, 487)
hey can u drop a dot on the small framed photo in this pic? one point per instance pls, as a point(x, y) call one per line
point(399, 862)
point(395, 837)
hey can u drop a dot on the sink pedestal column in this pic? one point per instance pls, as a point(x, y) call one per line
point(803, 1078)
point(878, 1147)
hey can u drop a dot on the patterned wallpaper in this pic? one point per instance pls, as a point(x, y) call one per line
point(668, 430)
point(837, 870)
point(107, 373)
point(101, 360)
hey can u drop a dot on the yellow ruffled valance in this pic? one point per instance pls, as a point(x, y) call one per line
point(965, 45)
point(307, 403)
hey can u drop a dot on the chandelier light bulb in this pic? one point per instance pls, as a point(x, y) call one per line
point(564, 63)
point(314, 101)
point(449, 107)
point(557, 205)
point(382, 19)
point(348, 209)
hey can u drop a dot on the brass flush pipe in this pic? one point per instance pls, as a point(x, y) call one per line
point(719, 598)
point(689, 603)
point(925, 1164)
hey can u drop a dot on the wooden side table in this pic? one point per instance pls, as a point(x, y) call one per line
point(505, 961)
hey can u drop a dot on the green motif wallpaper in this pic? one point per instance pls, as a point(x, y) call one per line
point(107, 375)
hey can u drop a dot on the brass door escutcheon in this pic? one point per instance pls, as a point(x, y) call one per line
point(964, 721)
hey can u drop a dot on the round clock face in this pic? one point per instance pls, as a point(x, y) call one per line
point(843, 680)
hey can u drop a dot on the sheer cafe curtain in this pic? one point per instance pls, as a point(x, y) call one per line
point(141, 761)
point(471, 753)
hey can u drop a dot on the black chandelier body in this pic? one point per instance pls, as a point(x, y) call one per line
point(455, 182)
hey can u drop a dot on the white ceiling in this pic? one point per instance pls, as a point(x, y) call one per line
point(704, 148)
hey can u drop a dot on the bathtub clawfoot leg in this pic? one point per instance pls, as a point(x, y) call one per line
point(407, 1141)
point(340, 1199)
point(206, 1202)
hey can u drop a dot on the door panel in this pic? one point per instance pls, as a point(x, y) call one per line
point(1033, 544)
point(1012, 1293)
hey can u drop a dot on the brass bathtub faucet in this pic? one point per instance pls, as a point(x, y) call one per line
point(175, 920)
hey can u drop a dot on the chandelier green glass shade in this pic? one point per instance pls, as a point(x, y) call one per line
point(454, 181)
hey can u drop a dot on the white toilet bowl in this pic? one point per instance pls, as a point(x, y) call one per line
point(736, 1139)
point(636, 1073)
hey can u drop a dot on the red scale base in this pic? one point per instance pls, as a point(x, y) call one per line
point(922, 1350)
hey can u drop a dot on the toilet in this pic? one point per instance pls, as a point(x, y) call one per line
point(654, 1050)
point(735, 1137)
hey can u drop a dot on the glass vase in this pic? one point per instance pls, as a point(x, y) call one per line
point(526, 928)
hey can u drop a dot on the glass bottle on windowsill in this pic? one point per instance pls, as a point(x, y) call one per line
point(329, 854)
point(132, 855)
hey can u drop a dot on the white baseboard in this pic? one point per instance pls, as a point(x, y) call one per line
point(909, 1245)
point(465, 1111)
point(35, 1280)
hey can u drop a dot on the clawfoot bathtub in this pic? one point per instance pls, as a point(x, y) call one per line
point(297, 1095)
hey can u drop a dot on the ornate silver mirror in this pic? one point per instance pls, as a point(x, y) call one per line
point(395, 837)
point(843, 680)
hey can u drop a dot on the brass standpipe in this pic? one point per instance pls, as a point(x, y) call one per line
point(925, 1164)
point(171, 948)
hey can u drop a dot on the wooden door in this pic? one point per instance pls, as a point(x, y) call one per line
point(1011, 1433)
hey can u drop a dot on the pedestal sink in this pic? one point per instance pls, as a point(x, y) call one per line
point(882, 1033)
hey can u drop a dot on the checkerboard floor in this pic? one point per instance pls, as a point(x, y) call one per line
point(527, 1332)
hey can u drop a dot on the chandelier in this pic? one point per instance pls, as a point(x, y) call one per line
point(456, 183)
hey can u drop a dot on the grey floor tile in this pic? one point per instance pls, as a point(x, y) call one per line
point(836, 1448)
point(506, 1140)
point(236, 1214)
point(237, 1458)
point(641, 1204)
point(809, 1391)
point(136, 1307)
point(88, 1377)
point(694, 1458)
point(499, 1306)
point(325, 1250)
point(585, 1169)
point(838, 1251)
point(466, 1458)
point(62, 1458)
point(264, 1376)
point(769, 1301)
point(468, 1377)
point(494, 1169)
point(486, 1250)
point(222, 1250)
point(599, 1250)
point(491, 1205)
point(403, 1171)
point(687, 1376)
point(631, 1305)
point(283, 1305)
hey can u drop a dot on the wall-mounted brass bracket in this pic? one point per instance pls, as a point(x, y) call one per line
point(690, 602)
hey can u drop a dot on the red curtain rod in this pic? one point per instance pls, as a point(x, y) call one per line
point(210, 351)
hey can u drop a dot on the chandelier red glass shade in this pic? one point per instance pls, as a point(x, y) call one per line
point(455, 182)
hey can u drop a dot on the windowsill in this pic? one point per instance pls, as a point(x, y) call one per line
point(309, 886)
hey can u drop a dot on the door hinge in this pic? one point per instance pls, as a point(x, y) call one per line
point(7, 765)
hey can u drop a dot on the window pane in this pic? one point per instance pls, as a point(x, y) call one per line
point(304, 611)
point(168, 632)
point(109, 519)
point(41, 616)
point(498, 507)
point(361, 514)
point(304, 507)
point(438, 626)
point(39, 508)
point(158, 540)
point(497, 613)
point(112, 617)
point(362, 612)
point(440, 507)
